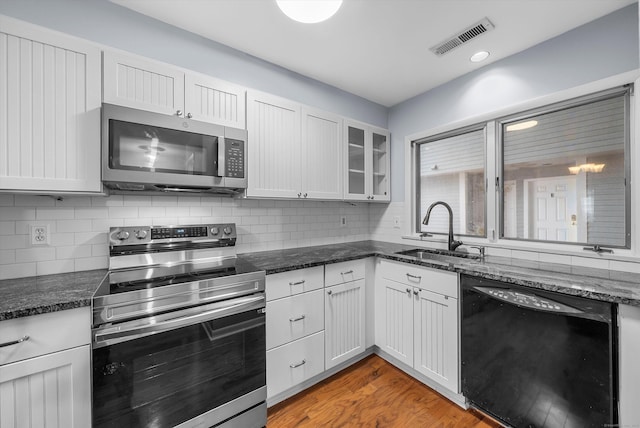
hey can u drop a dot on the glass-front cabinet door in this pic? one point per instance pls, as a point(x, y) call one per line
point(367, 175)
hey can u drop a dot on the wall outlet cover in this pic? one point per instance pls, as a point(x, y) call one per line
point(40, 234)
point(396, 222)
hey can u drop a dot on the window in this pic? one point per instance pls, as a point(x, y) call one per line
point(565, 172)
point(451, 168)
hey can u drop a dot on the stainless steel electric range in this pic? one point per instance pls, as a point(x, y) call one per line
point(178, 331)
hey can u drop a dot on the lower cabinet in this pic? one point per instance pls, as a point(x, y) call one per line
point(295, 362)
point(417, 320)
point(45, 379)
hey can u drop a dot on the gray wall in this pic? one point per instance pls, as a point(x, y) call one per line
point(112, 25)
point(602, 48)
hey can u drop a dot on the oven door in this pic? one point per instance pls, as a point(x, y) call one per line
point(197, 367)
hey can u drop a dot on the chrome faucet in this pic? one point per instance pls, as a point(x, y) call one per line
point(453, 244)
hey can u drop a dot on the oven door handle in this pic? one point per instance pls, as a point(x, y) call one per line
point(105, 336)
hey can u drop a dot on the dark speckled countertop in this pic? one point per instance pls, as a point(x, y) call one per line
point(34, 295)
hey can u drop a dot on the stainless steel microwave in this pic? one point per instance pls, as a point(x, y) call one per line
point(145, 151)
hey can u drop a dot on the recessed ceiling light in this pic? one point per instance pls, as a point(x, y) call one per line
point(522, 125)
point(479, 56)
point(309, 11)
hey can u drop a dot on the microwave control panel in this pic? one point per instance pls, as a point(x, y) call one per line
point(234, 158)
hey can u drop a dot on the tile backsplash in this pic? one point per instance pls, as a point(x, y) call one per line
point(78, 225)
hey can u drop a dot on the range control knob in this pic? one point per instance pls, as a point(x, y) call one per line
point(123, 235)
point(227, 230)
point(215, 231)
point(141, 234)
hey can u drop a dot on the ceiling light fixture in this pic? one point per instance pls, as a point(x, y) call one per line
point(309, 11)
point(586, 167)
point(522, 125)
point(479, 56)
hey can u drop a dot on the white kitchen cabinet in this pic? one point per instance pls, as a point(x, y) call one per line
point(144, 84)
point(294, 317)
point(45, 380)
point(368, 162)
point(344, 311)
point(295, 151)
point(50, 111)
point(417, 319)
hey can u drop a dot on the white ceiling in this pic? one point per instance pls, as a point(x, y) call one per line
point(377, 49)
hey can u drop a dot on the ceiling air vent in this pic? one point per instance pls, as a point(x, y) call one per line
point(462, 37)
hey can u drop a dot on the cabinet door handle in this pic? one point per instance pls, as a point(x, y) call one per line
point(294, 365)
point(416, 292)
point(409, 290)
point(299, 194)
point(329, 292)
point(300, 318)
point(414, 277)
point(305, 195)
point(349, 272)
point(297, 282)
point(14, 342)
point(189, 115)
point(178, 112)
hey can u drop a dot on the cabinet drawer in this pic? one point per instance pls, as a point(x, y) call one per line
point(339, 273)
point(47, 333)
point(286, 284)
point(434, 280)
point(295, 362)
point(294, 317)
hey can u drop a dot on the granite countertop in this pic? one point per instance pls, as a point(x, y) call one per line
point(22, 297)
point(35, 295)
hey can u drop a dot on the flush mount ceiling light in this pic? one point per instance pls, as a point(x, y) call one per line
point(309, 11)
point(479, 56)
point(522, 125)
point(586, 167)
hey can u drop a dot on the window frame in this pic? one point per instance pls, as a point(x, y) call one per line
point(626, 91)
point(417, 223)
point(543, 251)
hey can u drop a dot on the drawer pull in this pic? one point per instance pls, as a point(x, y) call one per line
point(300, 318)
point(414, 277)
point(416, 292)
point(14, 342)
point(409, 290)
point(329, 292)
point(349, 272)
point(297, 282)
point(293, 366)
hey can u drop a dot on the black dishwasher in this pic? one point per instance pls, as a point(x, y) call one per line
point(537, 359)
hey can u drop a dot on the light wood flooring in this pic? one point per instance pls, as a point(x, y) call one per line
point(372, 393)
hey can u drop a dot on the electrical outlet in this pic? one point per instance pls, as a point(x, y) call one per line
point(40, 234)
point(343, 221)
point(396, 222)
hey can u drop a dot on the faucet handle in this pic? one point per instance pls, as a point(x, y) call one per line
point(480, 249)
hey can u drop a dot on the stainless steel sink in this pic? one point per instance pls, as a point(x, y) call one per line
point(443, 255)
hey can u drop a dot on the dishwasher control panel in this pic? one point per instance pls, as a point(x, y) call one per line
point(527, 300)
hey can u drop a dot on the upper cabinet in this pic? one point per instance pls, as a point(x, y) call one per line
point(294, 151)
point(145, 84)
point(49, 111)
point(367, 163)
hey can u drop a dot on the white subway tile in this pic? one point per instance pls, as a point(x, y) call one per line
point(179, 211)
point(34, 201)
point(6, 200)
point(62, 239)
point(7, 257)
point(164, 221)
point(189, 220)
point(624, 266)
point(17, 213)
point(211, 201)
point(249, 220)
point(164, 201)
point(110, 201)
point(525, 255)
point(13, 242)
point(200, 211)
point(18, 270)
point(123, 212)
point(73, 252)
point(554, 258)
point(152, 211)
point(87, 238)
point(93, 212)
point(7, 227)
point(54, 213)
point(35, 254)
point(136, 201)
point(63, 226)
point(189, 201)
point(141, 221)
point(590, 262)
point(74, 201)
point(100, 250)
point(91, 263)
point(51, 267)
point(259, 228)
point(103, 225)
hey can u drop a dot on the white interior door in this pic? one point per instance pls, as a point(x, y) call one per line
point(553, 209)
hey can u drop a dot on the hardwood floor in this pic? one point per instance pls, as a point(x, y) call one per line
point(372, 393)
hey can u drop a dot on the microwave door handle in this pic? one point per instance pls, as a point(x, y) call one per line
point(222, 150)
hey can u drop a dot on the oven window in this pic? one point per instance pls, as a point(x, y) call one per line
point(150, 148)
point(168, 378)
